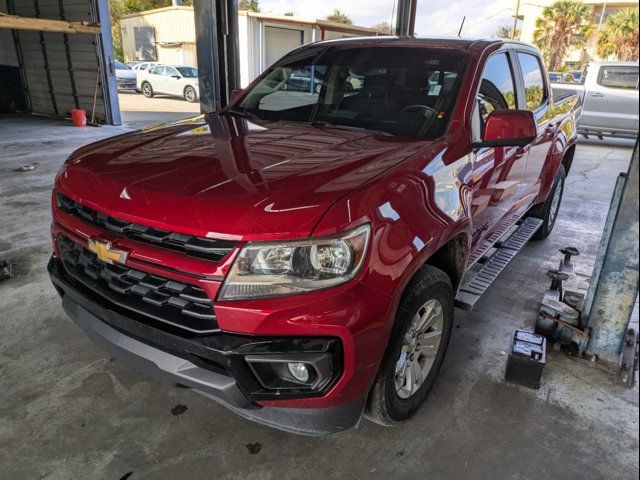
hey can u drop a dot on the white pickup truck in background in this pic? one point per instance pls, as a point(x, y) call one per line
point(609, 99)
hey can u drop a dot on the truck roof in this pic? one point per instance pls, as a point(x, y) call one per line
point(433, 42)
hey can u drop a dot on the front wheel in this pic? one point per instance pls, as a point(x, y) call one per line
point(147, 90)
point(416, 349)
point(548, 210)
point(190, 94)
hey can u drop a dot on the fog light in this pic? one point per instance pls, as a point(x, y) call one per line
point(299, 371)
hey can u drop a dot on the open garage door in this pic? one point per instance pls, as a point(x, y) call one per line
point(279, 41)
point(64, 70)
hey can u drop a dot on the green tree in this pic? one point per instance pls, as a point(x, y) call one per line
point(339, 17)
point(506, 31)
point(288, 14)
point(250, 5)
point(619, 38)
point(563, 25)
point(382, 26)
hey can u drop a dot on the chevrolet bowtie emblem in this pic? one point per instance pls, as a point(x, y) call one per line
point(106, 253)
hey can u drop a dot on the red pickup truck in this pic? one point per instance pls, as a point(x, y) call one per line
point(297, 255)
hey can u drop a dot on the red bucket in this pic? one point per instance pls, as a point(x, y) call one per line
point(79, 117)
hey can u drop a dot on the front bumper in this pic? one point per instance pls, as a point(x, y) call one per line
point(212, 365)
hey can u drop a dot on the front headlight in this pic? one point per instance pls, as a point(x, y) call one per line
point(276, 269)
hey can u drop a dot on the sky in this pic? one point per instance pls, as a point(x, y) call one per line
point(434, 17)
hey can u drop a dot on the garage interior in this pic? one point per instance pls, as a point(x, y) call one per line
point(69, 411)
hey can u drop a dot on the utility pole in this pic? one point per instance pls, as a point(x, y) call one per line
point(604, 6)
point(515, 21)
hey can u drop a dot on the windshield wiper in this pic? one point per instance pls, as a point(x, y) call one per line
point(323, 124)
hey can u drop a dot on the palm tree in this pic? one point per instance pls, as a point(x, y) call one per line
point(619, 38)
point(563, 25)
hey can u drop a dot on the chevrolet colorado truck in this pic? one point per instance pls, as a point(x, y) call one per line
point(296, 255)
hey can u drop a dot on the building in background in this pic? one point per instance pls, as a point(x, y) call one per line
point(167, 35)
point(600, 12)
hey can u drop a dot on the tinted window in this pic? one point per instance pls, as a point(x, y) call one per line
point(533, 82)
point(402, 91)
point(188, 72)
point(497, 90)
point(121, 66)
point(619, 77)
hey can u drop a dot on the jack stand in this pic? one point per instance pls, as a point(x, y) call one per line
point(558, 320)
point(595, 325)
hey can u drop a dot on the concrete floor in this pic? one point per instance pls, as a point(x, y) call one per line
point(138, 111)
point(68, 411)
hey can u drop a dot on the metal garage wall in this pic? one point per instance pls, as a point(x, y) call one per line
point(280, 41)
point(63, 71)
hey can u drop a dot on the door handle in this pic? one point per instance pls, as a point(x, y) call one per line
point(596, 94)
point(520, 151)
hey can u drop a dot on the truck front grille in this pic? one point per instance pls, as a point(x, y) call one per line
point(181, 305)
point(199, 247)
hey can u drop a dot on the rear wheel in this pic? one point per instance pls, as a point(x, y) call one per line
point(548, 210)
point(416, 349)
point(190, 94)
point(147, 90)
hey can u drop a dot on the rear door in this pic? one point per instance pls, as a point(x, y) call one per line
point(156, 78)
point(535, 96)
point(497, 172)
point(611, 100)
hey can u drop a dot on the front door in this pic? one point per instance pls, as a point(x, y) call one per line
point(497, 172)
point(173, 81)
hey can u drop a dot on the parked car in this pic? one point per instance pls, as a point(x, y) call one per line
point(610, 99)
point(144, 66)
point(300, 80)
point(125, 77)
point(132, 64)
point(296, 257)
point(180, 81)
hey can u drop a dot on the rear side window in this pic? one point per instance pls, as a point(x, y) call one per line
point(497, 90)
point(619, 77)
point(158, 71)
point(534, 91)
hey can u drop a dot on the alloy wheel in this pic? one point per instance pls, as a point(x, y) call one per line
point(419, 348)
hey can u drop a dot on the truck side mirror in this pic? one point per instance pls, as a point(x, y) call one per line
point(508, 128)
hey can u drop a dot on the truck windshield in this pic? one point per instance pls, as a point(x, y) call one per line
point(402, 91)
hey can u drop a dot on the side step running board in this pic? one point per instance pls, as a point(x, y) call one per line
point(479, 282)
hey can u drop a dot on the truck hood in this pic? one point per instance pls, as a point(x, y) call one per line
point(224, 177)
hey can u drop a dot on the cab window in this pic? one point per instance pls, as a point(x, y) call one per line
point(497, 88)
point(619, 77)
point(534, 89)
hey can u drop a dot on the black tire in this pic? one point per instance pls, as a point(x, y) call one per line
point(147, 89)
point(385, 406)
point(190, 94)
point(284, 87)
point(548, 210)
